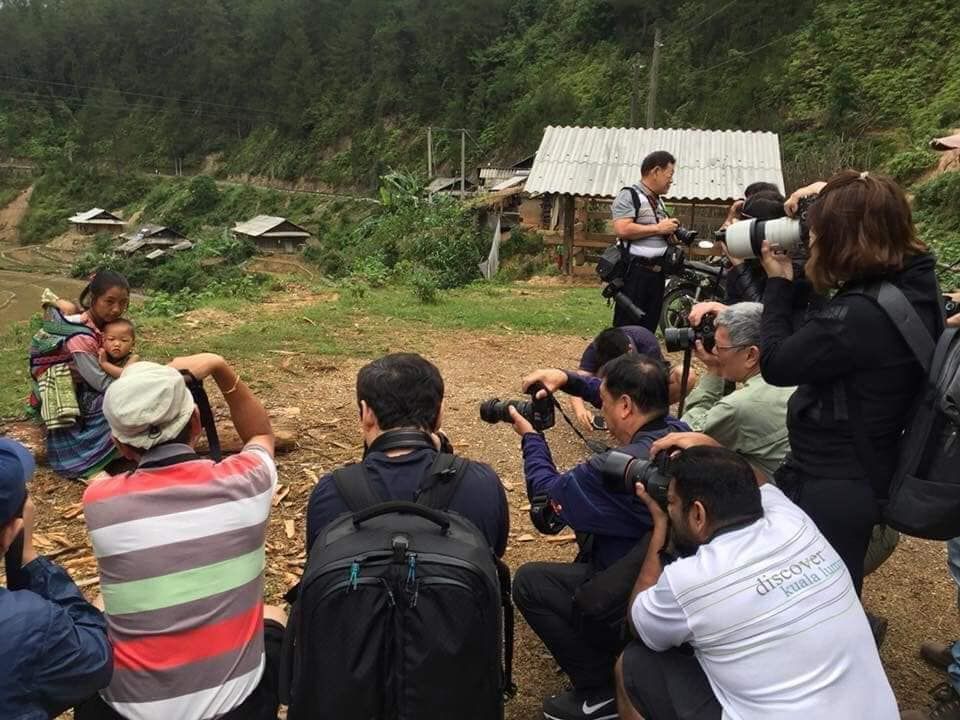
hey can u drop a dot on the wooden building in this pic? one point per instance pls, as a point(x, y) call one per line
point(273, 234)
point(96, 220)
point(153, 241)
point(579, 170)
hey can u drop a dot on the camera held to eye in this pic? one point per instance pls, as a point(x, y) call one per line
point(683, 338)
point(622, 473)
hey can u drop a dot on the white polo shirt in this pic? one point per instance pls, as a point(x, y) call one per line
point(774, 621)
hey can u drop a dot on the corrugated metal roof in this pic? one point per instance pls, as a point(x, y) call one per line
point(509, 183)
point(149, 230)
point(597, 162)
point(262, 224)
point(91, 216)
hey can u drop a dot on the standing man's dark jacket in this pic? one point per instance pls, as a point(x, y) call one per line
point(53, 645)
point(617, 521)
point(480, 497)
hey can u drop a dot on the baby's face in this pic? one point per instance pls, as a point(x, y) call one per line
point(117, 341)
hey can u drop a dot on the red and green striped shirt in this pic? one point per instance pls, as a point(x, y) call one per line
point(180, 545)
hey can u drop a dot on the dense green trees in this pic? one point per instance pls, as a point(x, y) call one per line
point(342, 89)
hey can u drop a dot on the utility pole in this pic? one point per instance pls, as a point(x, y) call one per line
point(636, 66)
point(429, 153)
point(654, 67)
point(463, 164)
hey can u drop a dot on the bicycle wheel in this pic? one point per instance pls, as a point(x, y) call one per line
point(676, 306)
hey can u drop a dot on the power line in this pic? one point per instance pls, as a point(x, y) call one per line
point(741, 55)
point(135, 94)
point(708, 17)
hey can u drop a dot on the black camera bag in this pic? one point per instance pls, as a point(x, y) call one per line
point(403, 612)
point(924, 496)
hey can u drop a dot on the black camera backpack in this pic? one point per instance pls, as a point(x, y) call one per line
point(925, 490)
point(403, 613)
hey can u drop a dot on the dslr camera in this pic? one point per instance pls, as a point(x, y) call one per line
point(950, 307)
point(538, 411)
point(622, 473)
point(684, 338)
point(685, 236)
point(744, 239)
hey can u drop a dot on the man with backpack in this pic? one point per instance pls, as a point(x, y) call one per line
point(398, 612)
point(578, 609)
point(643, 229)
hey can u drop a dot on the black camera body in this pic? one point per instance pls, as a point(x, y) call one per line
point(685, 236)
point(679, 339)
point(539, 412)
point(950, 307)
point(545, 515)
point(623, 472)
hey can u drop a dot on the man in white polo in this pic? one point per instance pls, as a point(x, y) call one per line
point(757, 619)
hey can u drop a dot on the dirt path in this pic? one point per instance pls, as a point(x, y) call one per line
point(316, 395)
point(12, 214)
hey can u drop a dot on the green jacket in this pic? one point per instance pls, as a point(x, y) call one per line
point(752, 420)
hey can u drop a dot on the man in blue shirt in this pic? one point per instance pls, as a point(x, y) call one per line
point(400, 398)
point(632, 392)
point(54, 643)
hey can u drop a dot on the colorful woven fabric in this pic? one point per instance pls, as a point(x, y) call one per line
point(58, 400)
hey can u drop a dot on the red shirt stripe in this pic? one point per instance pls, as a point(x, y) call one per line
point(162, 652)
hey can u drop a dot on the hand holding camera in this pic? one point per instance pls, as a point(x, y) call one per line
point(649, 479)
point(776, 262)
point(526, 416)
point(550, 379)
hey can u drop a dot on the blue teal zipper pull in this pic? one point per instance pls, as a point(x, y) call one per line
point(354, 574)
point(411, 568)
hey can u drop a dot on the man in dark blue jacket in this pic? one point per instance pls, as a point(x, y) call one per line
point(53, 642)
point(400, 398)
point(632, 392)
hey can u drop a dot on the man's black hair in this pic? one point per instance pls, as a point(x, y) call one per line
point(754, 188)
point(609, 344)
point(657, 159)
point(644, 379)
point(720, 479)
point(100, 284)
point(764, 205)
point(125, 322)
point(403, 390)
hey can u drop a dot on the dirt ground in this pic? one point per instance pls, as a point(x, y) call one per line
point(316, 396)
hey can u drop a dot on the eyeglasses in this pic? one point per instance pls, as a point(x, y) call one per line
point(718, 348)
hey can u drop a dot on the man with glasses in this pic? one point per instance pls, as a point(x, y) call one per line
point(751, 420)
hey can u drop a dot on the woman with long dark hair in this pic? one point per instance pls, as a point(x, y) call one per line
point(83, 448)
point(857, 378)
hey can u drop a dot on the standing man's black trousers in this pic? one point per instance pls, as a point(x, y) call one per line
point(645, 288)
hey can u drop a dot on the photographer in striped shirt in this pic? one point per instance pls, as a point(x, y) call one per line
point(180, 546)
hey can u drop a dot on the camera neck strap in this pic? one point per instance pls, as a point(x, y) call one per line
point(593, 445)
point(684, 380)
point(401, 439)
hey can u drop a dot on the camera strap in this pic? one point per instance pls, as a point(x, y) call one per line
point(684, 381)
point(593, 445)
point(207, 420)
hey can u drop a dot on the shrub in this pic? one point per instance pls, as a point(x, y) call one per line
point(425, 286)
point(907, 166)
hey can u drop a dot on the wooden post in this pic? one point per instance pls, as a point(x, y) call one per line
point(652, 94)
point(429, 153)
point(463, 164)
point(569, 210)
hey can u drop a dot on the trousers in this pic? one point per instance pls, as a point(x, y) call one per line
point(645, 289)
point(543, 592)
point(845, 511)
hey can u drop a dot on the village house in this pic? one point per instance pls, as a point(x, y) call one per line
point(273, 234)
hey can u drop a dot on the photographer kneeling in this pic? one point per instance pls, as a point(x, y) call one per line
point(577, 609)
point(757, 593)
point(751, 420)
point(857, 378)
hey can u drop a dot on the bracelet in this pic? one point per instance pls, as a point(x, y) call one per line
point(233, 389)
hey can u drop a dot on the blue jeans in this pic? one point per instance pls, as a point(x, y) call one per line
point(953, 563)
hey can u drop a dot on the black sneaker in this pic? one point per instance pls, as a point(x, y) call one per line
point(599, 704)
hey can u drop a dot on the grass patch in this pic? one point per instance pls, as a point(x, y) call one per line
point(380, 321)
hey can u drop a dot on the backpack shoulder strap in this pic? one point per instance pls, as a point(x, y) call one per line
point(905, 318)
point(441, 481)
point(635, 196)
point(354, 488)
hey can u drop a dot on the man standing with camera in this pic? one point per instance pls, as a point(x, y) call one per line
point(759, 595)
point(54, 644)
point(577, 609)
point(644, 230)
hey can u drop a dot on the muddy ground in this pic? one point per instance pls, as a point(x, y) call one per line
point(315, 396)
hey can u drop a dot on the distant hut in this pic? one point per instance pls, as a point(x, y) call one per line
point(273, 234)
point(154, 241)
point(495, 178)
point(96, 220)
point(450, 186)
